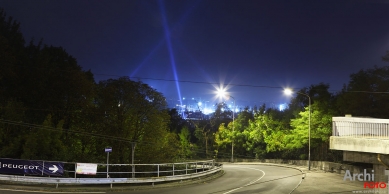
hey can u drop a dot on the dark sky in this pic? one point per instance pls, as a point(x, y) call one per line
point(253, 47)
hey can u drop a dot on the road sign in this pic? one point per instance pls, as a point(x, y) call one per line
point(30, 167)
point(53, 169)
point(108, 149)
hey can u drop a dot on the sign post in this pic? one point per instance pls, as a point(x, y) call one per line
point(132, 160)
point(108, 150)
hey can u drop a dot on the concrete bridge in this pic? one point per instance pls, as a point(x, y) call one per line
point(363, 140)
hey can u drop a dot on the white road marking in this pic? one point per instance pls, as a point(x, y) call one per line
point(45, 191)
point(250, 183)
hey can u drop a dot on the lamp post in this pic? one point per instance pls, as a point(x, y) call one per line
point(222, 94)
point(233, 123)
point(289, 92)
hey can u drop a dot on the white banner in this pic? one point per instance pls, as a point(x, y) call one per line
point(86, 168)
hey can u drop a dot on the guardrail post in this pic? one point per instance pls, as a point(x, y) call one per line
point(186, 168)
point(157, 171)
point(173, 169)
point(196, 167)
point(133, 171)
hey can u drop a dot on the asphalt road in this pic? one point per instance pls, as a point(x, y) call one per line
point(237, 179)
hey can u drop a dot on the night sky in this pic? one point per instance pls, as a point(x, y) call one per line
point(254, 48)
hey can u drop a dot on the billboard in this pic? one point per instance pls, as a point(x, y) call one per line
point(30, 167)
point(86, 168)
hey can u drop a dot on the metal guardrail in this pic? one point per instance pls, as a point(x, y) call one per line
point(201, 168)
point(165, 169)
point(360, 127)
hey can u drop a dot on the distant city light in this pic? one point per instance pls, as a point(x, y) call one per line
point(282, 107)
point(207, 111)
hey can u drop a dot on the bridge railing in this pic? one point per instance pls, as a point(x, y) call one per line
point(143, 173)
point(360, 127)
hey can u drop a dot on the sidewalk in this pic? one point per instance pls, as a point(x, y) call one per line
point(318, 181)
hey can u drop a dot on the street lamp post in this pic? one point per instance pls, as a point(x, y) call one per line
point(222, 94)
point(289, 92)
point(233, 123)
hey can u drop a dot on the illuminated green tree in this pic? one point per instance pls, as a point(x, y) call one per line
point(185, 144)
point(264, 134)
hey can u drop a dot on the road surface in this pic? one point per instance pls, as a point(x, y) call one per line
point(237, 179)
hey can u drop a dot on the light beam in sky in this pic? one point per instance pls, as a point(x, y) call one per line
point(170, 48)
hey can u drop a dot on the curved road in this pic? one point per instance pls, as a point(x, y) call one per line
point(237, 179)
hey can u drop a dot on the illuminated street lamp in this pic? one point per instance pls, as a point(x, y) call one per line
point(289, 92)
point(222, 93)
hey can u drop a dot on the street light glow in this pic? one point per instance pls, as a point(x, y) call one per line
point(221, 92)
point(288, 91)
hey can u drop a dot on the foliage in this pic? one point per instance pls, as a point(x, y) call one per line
point(366, 93)
point(11, 135)
point(203, 134)
point(264, 133)
point(133, 112)
point(321, 128)
point(253, 135)
point(186, 145)
point(50, 144)
point(223, 136)
point(176, 123)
